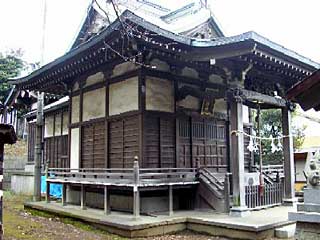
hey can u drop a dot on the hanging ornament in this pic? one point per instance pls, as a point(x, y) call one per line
point(256, 146)
point(279, 146)
point(274, 148)
point(251, 146)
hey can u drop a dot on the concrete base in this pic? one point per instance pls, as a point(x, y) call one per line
point(259, 225)
point(286, 232)
point(29, 167)
point(307, 231)
point(290, 202)
point(239, 212)
point(22, 183)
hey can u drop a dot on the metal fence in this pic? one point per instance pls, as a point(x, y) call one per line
point(262, 196)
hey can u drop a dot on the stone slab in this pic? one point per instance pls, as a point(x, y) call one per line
point(308, 207)
point(312, 196)
point(259, 225)
point(311, 217)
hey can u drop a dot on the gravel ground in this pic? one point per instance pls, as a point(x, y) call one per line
point(21, 224)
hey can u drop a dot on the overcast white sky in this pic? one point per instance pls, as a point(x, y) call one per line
point(292, 23)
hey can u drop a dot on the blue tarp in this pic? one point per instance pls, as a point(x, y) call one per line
point(55, 189)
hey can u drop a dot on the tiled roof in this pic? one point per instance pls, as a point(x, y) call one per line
point(258, 39)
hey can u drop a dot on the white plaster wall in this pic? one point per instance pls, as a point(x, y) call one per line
point(213, 78)
point(95, 78)
point(48, 126)
point(74, 150)
point(65, 123)
point(220, 106)
point(245, 114)
point(190, 72)
point(159, 94)
point(75, 109)
point(57, 128)
point(75, 86)
point(123, 68)
point(189, 102)
point(94, 104)
point(160, 65)
point(299, 167)
point(123, 96)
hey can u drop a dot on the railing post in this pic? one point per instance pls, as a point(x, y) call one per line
point(136, 197)
point(198, 166)
point(47, 184)
point(83, 197)
point(106, 201)
point(64, 194)
point(227, 192)
point(170, 201)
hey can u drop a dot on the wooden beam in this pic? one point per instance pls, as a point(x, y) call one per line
point(256, 97)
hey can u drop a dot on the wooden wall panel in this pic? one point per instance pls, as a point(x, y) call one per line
point(159, 149)
point(31, 140)
point(131, 140)
point(167, 143)
point(123, 141)
point(56, 150)
point(184, 147)
point(204, 139)
point(87, 147)
point(116, 144)
point(152, 142)
point(93, 144)
point(99, 145)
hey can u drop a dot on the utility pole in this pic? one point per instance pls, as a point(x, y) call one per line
point(38, 149)
point(43, 32)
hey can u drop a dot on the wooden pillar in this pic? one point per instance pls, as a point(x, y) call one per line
point(227, 193)
point(38, 149)
point(170, 201)
point(289, 194)
point(106, 201)
point(136, 194)
point(47, 184)
point(64, 194)
point(83, 197)
point(237, 158)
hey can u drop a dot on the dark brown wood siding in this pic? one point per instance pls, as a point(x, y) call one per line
point(159, 142)
point(208, 139)
point(93, 145)
point(31, 141)
point(56, 151)
point(123, 141)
